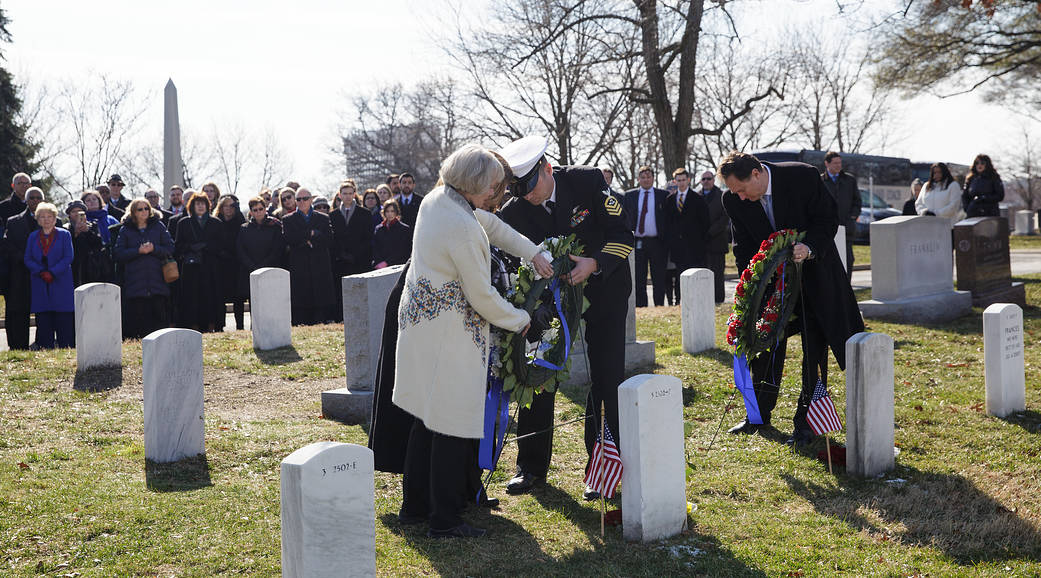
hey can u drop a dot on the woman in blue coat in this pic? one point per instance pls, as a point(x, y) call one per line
point(141, 247)
point(48, 256)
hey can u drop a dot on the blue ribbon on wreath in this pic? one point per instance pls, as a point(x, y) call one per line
point(496, 411)
point(743, 375)
point(555, 287)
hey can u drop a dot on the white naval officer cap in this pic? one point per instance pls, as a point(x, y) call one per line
point(525, 157)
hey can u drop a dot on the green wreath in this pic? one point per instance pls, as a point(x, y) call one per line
point(753, 327)
point(521, 374)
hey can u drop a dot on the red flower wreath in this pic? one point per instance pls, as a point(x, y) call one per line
point(749, 330)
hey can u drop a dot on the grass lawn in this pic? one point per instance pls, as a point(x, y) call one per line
point(77, 497)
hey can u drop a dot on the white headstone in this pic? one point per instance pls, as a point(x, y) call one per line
point(270, 315)
point(328, 511)
point(1024, 223)
point(1003, 358)
point(173, 395)
point(698, 309)
point(654, 495)
point(912, 271)
point(869, 404)
point(364, 309)
point(840, 244)
point(99, 326)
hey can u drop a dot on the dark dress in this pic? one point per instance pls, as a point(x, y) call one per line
point(196, 250)
point(310, 270)
point(351, 251)
point(16, 316)
point(392, 243)
point(259, 245)
point(982, 195)
point(228, 269)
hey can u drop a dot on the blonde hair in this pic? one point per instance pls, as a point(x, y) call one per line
point(128, 217)
point(47, 208)
point(471, 170)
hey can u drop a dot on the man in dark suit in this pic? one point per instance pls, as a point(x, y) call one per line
point(308, 236)
point(352, 241)
point(843, 188)
point(718, 230)
point(553, 201)
point(645, 211)
point(116, 198)
point(687, 222)
point(114, 211)
point(18, 299)
point(764, 198)
point(152, 196)
point(409, 200)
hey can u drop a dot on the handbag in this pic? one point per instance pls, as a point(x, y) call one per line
point(170, 272)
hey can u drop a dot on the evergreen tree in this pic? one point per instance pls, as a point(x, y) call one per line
point(17, 152)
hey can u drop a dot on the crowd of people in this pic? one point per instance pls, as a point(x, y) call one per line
point(104, 236)
point(943, 196)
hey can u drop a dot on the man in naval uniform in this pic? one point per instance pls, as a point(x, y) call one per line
point(553, 201)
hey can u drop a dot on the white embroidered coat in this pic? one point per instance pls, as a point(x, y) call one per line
point(448, 301)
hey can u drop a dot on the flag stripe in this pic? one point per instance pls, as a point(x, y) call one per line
point(822, 416)
point(606, 470)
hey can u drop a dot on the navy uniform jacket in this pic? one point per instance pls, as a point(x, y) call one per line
point(801, 202)
point(584, 207)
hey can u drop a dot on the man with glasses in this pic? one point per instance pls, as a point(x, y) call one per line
point(106, 194)
point(308, 234)
point(16, 234)
point(718, 229)
point(116, 184)
point(152, 196)
point(16, 202)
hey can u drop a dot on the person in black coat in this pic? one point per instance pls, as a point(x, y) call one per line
point(231, 221)
point(198, 238)
point(916, 188)
point(392, 240)
point(352, 241)
point(18, 299)
point(767, 197)
point(308, 235)
point(578, 203)
point(686, 217)
point(260, 243)
point(983, 189)
point(409, 200)
point(89, 263)
point(143, 244)
point(647, 219)
point(843, 188)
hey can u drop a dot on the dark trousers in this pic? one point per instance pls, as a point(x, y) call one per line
point(145, 315)
point(16, 325)
point(717, 262)
point(605, 348)
point(308, 315)
point(768, 368)
point(55, 328)
point(435, 476)
point(849, 256)
point(651, 253)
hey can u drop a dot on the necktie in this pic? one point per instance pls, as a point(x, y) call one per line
point(549, 206)
point(679, 201)
point(643, 211)
point(768, 208)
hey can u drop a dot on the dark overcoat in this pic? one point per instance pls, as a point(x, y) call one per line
point(352, 241)
point(310, 270)
point(687, 239)
point(259, 245)
point(196, 252)
point(228, 258)
point(801, 202)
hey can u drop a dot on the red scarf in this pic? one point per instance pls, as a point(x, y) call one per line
point(387, 223)
point(45, 241)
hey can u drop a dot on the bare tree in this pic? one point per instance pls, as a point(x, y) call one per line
point(234, 153)
point(1024, 180)
point(274, 163)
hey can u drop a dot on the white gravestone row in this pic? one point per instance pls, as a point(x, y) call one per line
point(328, 511)
point(912, 272)
point(270, 319)
point(698, 310)
point(99, 326)
point(1003, 359)
point(654, 494)
point(1024, 223)
point(869, 404)
point(173, 394)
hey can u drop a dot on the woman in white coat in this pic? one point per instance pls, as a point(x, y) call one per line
point(442, 350)
point(941, 195)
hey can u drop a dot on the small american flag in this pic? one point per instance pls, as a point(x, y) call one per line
point(821, 415)
point(606, 470)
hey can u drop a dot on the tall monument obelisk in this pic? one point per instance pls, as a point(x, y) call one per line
point(172, 163)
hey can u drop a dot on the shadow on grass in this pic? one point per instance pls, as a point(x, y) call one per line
point(98, 379)
point(943, 511)
point(180, 476)
point(280, 356)
point(1029, 420)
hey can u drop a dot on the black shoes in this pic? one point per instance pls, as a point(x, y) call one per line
point(801, 437)
point(590, 494)
point(490, 503)
point(463, 530)
point(411, 519)
point(747, 428)
point(523, 483)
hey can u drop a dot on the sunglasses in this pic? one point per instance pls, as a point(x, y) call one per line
point(34, 198)
point(298, 199)
point(708, 179)
point(141, 209)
